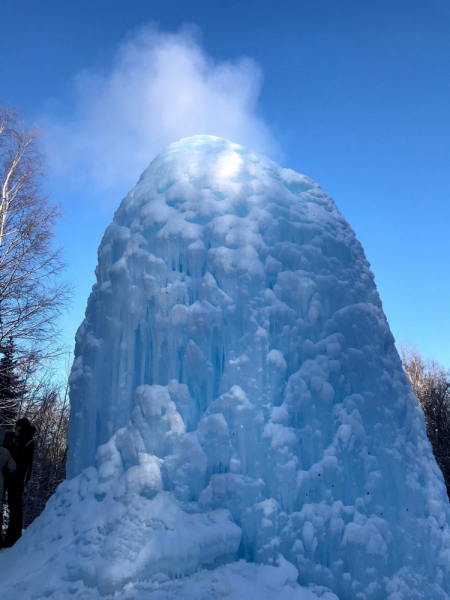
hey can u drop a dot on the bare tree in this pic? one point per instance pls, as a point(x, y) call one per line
point(47, 407)
point(50, 415)
point(430, 383)
point(32, 294)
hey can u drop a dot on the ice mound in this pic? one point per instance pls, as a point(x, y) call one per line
point(240, 422)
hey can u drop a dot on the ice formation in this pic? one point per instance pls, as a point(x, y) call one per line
point(241, 426)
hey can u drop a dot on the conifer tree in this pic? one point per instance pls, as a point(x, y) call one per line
point(12, 386)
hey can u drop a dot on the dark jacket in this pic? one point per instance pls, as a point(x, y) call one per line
point(7, 464)
point(22, 451)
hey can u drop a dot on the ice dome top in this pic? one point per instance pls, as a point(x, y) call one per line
point(237, 405)
point(209, 229)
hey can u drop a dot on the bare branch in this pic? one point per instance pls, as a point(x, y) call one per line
point(430, 383)
point(31, 294)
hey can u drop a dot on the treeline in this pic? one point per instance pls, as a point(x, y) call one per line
point(45, 403)
point(51, 419)
point(430, 382)
point(33, 295)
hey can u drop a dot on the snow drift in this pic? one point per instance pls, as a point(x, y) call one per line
point(240, 426)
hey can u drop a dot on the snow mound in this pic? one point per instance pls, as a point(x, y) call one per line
point(240, 422)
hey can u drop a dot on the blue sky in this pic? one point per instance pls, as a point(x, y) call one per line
point(354, 94)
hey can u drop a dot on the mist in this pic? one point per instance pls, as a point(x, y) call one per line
point(160, 87)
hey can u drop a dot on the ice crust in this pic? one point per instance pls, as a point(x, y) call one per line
point(240, 426)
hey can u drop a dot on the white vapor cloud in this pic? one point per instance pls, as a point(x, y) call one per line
point(160, 88)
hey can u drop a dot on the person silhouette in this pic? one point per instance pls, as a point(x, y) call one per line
point(7, 467)
point(21, 446)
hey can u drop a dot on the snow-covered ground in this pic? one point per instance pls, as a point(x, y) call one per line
point(238, 580)
point(241, 426)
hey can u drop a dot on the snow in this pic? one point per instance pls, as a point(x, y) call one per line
point(241, 426)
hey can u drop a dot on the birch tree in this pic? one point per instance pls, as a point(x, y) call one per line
point(32, 294)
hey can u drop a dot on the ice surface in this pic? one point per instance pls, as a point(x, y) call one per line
point(240, 422)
